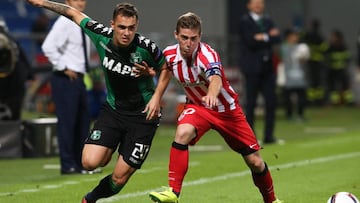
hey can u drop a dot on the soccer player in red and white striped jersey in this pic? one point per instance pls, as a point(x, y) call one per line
point(211, 104)
point(193, 73)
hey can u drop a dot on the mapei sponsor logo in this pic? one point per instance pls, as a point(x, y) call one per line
point(118, 67)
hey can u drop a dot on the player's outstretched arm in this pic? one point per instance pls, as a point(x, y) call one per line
point(211, 99)
point(153, 107)
point(60, 8)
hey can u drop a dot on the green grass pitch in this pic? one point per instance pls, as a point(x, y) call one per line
point(320, 157)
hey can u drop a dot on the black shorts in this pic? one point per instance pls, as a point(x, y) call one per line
point(131, 133)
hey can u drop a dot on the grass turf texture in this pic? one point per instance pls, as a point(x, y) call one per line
point(320, 157)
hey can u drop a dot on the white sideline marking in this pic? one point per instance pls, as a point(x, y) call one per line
point(143, 171)
point(196, 182)
point(327, 130)
point(239, 174)
point(324, 142)
point(29, 190)
point(71, 182)
point(51, 186)
point(206, 148)
point(51, 166)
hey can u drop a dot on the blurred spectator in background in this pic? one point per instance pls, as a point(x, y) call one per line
point(15, 70)
point(294, 56)
point(64, 47)
point(258, 34)
point(316, 72)
point(338, 61)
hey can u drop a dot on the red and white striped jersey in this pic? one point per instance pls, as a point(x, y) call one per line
point(193, 75)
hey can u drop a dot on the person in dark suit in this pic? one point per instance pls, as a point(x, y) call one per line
point(258, 34)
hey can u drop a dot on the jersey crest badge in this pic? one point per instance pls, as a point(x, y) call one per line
point(96, 135)
point(135, 57)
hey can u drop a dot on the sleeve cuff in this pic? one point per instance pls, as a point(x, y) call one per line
point(59, 67)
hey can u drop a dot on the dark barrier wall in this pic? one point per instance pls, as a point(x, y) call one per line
point(11, 139)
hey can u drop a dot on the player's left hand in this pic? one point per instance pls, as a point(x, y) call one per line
point(210, 101)
point(143, 69)
point(152, 109)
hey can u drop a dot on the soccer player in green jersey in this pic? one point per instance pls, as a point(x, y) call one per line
point(130, 115)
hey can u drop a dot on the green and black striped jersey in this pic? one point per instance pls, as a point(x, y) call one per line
point(125, 92)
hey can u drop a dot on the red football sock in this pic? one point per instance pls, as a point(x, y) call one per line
point(264, 182)
point(178, 166)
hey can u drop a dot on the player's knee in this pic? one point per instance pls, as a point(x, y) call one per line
point(255, 162)
point(95, 156)
point(257, 165)
point(89, 164)
point(184, 134)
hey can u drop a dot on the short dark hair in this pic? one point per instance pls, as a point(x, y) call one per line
point(125, 9)
point(189, 20)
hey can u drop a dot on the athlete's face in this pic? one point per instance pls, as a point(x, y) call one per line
point(188, 40)
point(124, 30)
point(78, 4)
